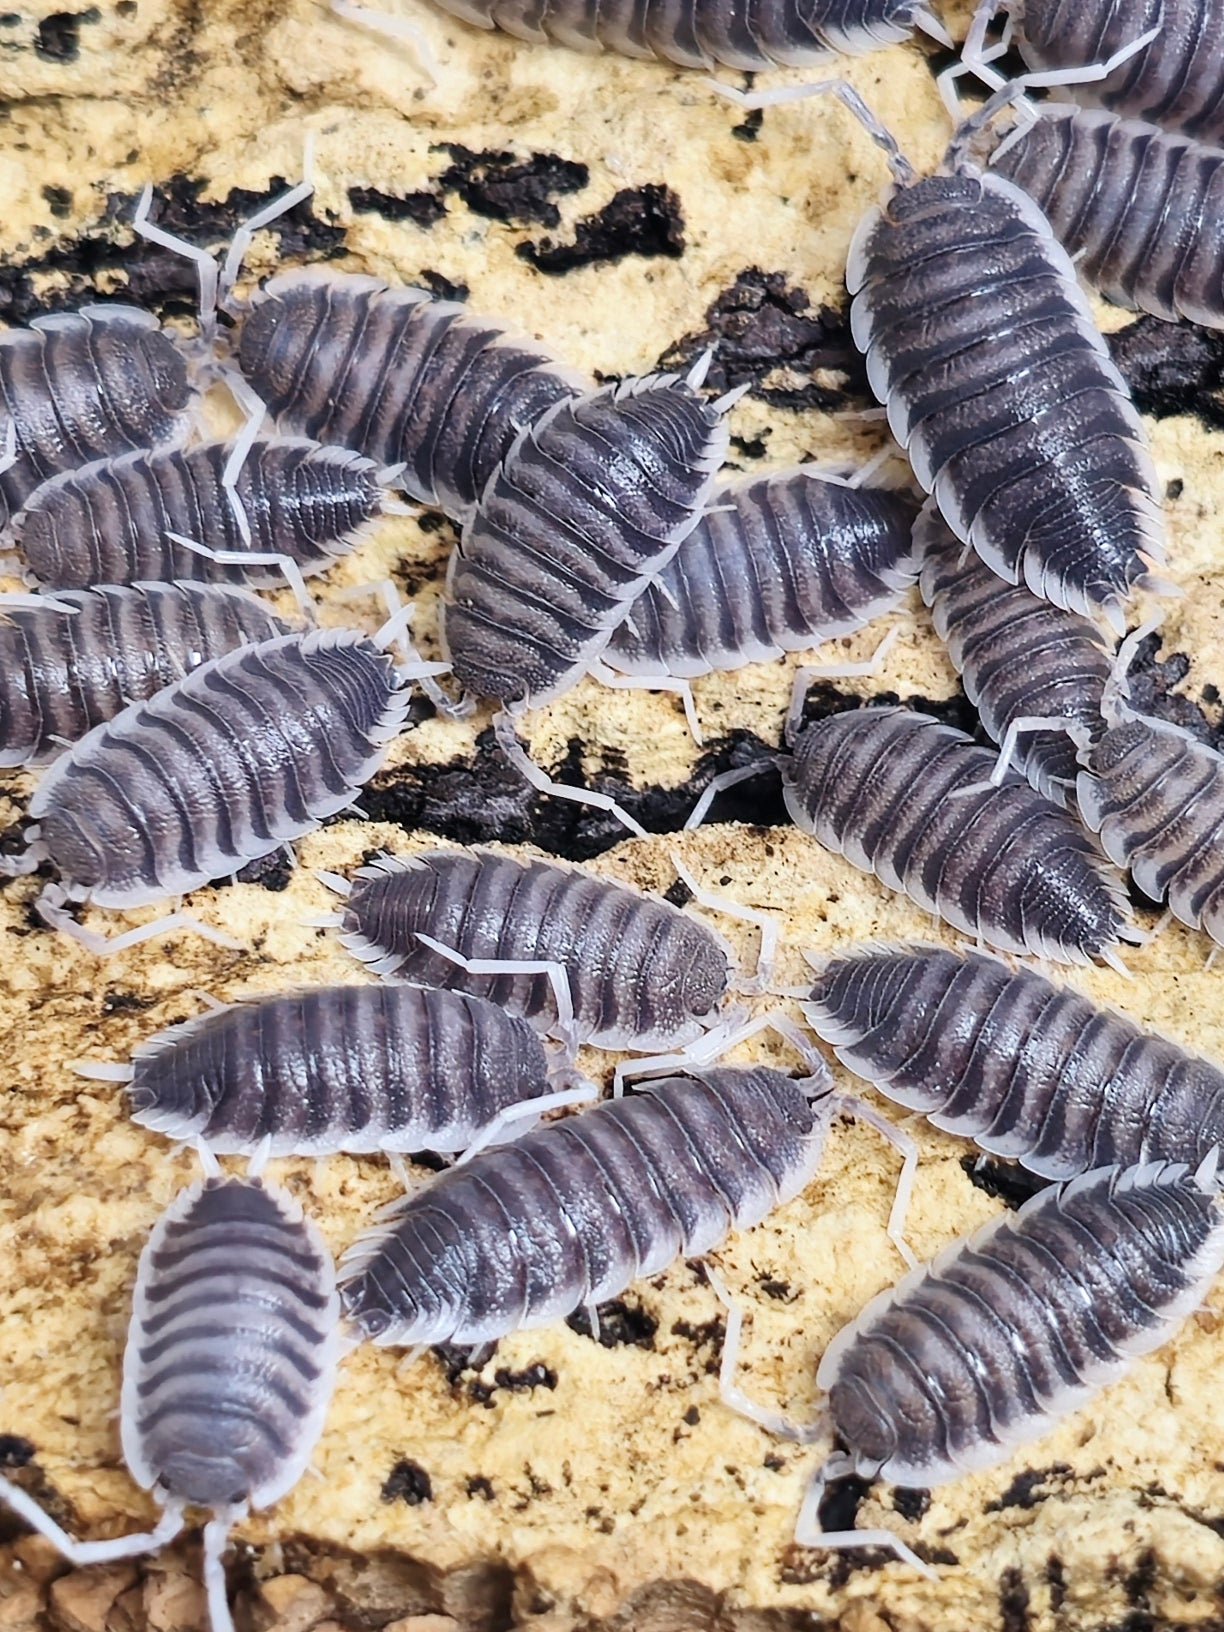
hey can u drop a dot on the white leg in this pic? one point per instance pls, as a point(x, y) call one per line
point(1024, 725)
point(768, 927)
point(1117, 691)
point(255, 409)
point(255, 558)
point(809, 1534)
point(902, 1142)
point(245, 235)
point(9, 457)
point(733, 1396)
point(80, 1553)
point(903, 172)
point(399, 1166)
point(206, 266)
point(528, 1110)
point(51, 908)
point(649, 682)
point(396, 28)
point(556, 973)
point(395, 630)
point(718, 784)
point(216, 1535)
point(1092, 71)
point(512, 748)
point(259, 1158)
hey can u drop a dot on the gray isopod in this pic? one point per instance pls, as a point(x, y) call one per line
point(594, 960)
point(242, 755)
point(572, 1213)
point(705, 32)
point(338, 1068)
point(73, 662)
point(1026, 664)
point(400, 376)
point(78, 386)
point(908, 799)
point(777, 564)
point(110, 522)
point(589, 505)
point(228, 1372)
point(1026, 1069)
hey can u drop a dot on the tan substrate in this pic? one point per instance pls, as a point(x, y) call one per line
point(628, 1472)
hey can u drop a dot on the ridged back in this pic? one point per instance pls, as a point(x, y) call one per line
point(573, 1212)
point(775, 565)
point(1176, 80)
point(68, 671)
point(246, 752)
point(1023, 1067)
point(979, 342)
point(1155, 794)
point(641, 973)
point(1022, 1323)
point(882, 787)
point(83, 385)
point(353, 1068)
point(399, 376)
point(1019, 656)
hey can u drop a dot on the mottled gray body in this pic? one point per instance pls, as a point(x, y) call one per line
point(1019, 656)
point(398, 375)
point(642, 974)
point(231, 1353)
point(84, 385)
point(1024, 1068)
point(999, 386)
point(880, 786)
point(353, 1068)
point(66, 672)
point(574, 1212)
point(586, 510)
point(1155, 794)
point(1141, 209)
point(1176, 80)
point(108, 523)
point(777, 564)
point(1021, 1324)
point(701, 33)
point(247, 752)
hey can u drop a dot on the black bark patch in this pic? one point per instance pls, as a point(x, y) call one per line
point(478, 1485)
point(747, 131)
point(1027, 1489)
point(536, 1375)
point(59, 35)
point(911, 1503)
point(407, 1482)
point(824, 699)
point(422, 209)
point(646, 221)
point(768, 332)
point(15, 1452)
point(1151, 682)
point(507, 187)
point(59, 201)
point(1172, 368)
point(1010, 1184)
point(620, 1324)
point(678, 894)
point(272, 872)
point(1013, 1602)
point(127, 1002)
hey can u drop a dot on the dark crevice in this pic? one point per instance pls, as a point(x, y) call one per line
point(507, 187)
point(646, 221)
point(59, 35)
point(1011, 1185)
point(407, 1482)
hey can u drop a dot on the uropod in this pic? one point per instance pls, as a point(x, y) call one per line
point(228, 1371)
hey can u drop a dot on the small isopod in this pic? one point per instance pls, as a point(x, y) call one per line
point(71, 663)
point(80, 386)
point(908, 799)
point(337, 1068)
point(572, 1213)
point(398, 375)
point(228, 1372)
point(1026, 664)
point(110, 522)
point(777, 564)
point(1026, 1069)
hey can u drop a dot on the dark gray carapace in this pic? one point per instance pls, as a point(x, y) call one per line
point(80, 386)
point(1026, 1069)
point(572, 1213)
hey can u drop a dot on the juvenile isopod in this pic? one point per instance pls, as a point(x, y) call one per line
point(1026, 1069)
point(82, 658)
point(228, 1371)
point(338, 1068)
point(80, 386)
point(777, 564)
point(573, 1212)
point(400, 376)
point(118, 521)
point(1026, 665)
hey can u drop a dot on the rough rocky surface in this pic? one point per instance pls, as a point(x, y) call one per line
point(624, 215)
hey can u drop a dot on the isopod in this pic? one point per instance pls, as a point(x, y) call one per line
point(777, 564)
point(338, 1068)
point(111, 522)
point(908, 799)
point(228, 1371)
point(71, 663)
point(1026, 665)
point(573, 1212)
point(79, 386)
point(1026, 1069)
point(400, 376)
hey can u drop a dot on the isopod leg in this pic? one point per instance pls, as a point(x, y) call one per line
point(809, 1534)
point(396, 28)
point(529, 1111)
point(51, 907)
point(902, 170)
point(80, 1553)
point(718, 784)
point(245, 235)
point(216, 1535)
point(733, 1396)
point(557, 975)
point(715, 902)
point(833, 671)
point(512, 748)
point(900, 1141)
point(256, 558)
point(206, 266)
point(652, 682)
